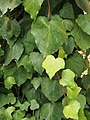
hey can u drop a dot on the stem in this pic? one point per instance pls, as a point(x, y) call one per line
point(49, 16)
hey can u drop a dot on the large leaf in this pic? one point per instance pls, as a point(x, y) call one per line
point(84, 5)
point(51, 111)
point(49, 35)
point(76, 63)
point(84, 22)
point(14, 53)
point(71, 110)
point(36, 59)
point(53, 65)
point(32, 7)
point(81, 38)
point(51, 89)
point(7, 113)
point(8, 4)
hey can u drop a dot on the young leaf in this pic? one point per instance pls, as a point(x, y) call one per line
point(32, 7)
point(53, 65)
point(81, 115)
point(9, 82)
point(51, 89)
point(24, 106)
point(49, 35)
point(7, 113)
point(34, 105)
point(71, 110)
point(67, 78)
point(51, 111)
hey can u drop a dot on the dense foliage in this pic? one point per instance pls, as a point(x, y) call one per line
point(44, 49)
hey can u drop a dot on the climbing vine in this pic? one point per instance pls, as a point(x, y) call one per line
point(44, 59)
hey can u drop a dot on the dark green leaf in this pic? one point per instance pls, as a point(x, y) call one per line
point(51, 89)
point(86, 82)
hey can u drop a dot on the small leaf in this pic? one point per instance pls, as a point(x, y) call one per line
point(51, 111)
point(36, 59)
point(51, 89)
point(67, 78)
point(10, 98)
point(86, 82)
point(24, 106)
point(36, 81)
point(18, 115)
point(9, 82)
point(34, 105)
point(61, 53)
point(71, 110)
point(49, 35)
point(53, 65)
point(7, 113)
point(32, 7)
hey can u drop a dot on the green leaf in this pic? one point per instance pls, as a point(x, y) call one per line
point(36, 59)
point(34, 105)
point(81, 115)
point(71, 110)
point(8, 4)
point(3, 100)
point(76, 63)
point(86, 82)
point(80, 37)
point(15, 52)
point(36, 81)
point(84, 5)
point(61, 53)
point(29, 42)
point(51, 111)
point(25, 61)
point(49, 35)
point(84, 22)
point(32, 118)
point(67, 78)
point(2, 109)
point(87, 114)
point(24, 106)
point(21, 75)
point(73, 92)
point(53, 65)
point(1, 52)
point(9, 82)
point(67, 11)
point(51, 89)
point(10, 98)
point(7, 113)
point(18, 114)
point(32, 7)
point(82, 100)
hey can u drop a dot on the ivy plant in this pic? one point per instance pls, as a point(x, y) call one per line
point(44, 59)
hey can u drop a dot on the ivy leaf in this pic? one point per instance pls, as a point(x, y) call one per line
point(73, 92)
point(14, 53)
point(51, 89)
point(32, 118)
point(36, 81)
point(67, 11)
point(82, 100)
point(32, 7)
point(81, 38)
point(87, 114)
point(81, 115)
point(71, 110)
point(36, 59)
point(84, 22)
point(10, 98)
point(8, 4)
point(29, 43)
point(7, 113)
point(86, 82)
point(67, 78)
point(21, 75)
point(61, 53)
point(49, 35)
point(53, 65)
point(24, 106)
point(76, 63)
point(9, 82)
point(18, 114)
point(34, 105)
point(84, 5)
point(51, 111)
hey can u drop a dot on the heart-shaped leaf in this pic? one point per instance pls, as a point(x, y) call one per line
point(53, 65)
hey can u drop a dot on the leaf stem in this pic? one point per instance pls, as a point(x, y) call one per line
point(49, 16)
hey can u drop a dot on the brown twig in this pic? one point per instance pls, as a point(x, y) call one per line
point(49, 16)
